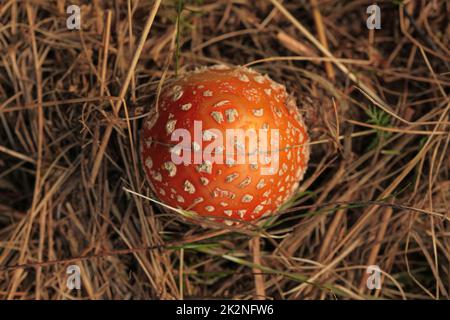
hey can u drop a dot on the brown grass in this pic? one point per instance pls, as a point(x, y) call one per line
point(377, 191)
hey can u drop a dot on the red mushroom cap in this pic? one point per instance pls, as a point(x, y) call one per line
point(187, 135)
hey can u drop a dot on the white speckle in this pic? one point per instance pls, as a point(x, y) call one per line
point(268, 91)
point(156, 175)
point(206, 167)
point(204, 181)
point(221, 103)
point(177, 95)
point(189, 187)
point(267, 193)
point(247, 198)
point(209, 208)
point(186, 106)
point(258, 112)
point(253, 95)
point(224, 204)
point(228, 212)
point(242, 213)
point(258, 208)
point(298, 173)
point(162, 191)
point(171, 168)
point(180, 199)
point(245, 182)
point(198, 200)
point(217, 116)
point(170, 126)
point(229, 178)
point(276, 86)
point(243, 77)
point(259, 79)
point(261, 184)
point(200, 86)
point(229, 223)
point(220, 66)
point(176, 88)
point(222, 193)
point(231, 115)
point(281, 189)
point(207, 93)
point(149, 163)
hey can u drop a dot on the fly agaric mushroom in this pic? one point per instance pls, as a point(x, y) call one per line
point(200, 109)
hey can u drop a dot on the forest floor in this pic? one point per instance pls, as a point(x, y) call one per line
point(377, 191)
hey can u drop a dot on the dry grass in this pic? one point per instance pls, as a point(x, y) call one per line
point(378, 187)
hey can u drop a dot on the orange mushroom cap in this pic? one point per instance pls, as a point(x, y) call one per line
point(212, 114)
